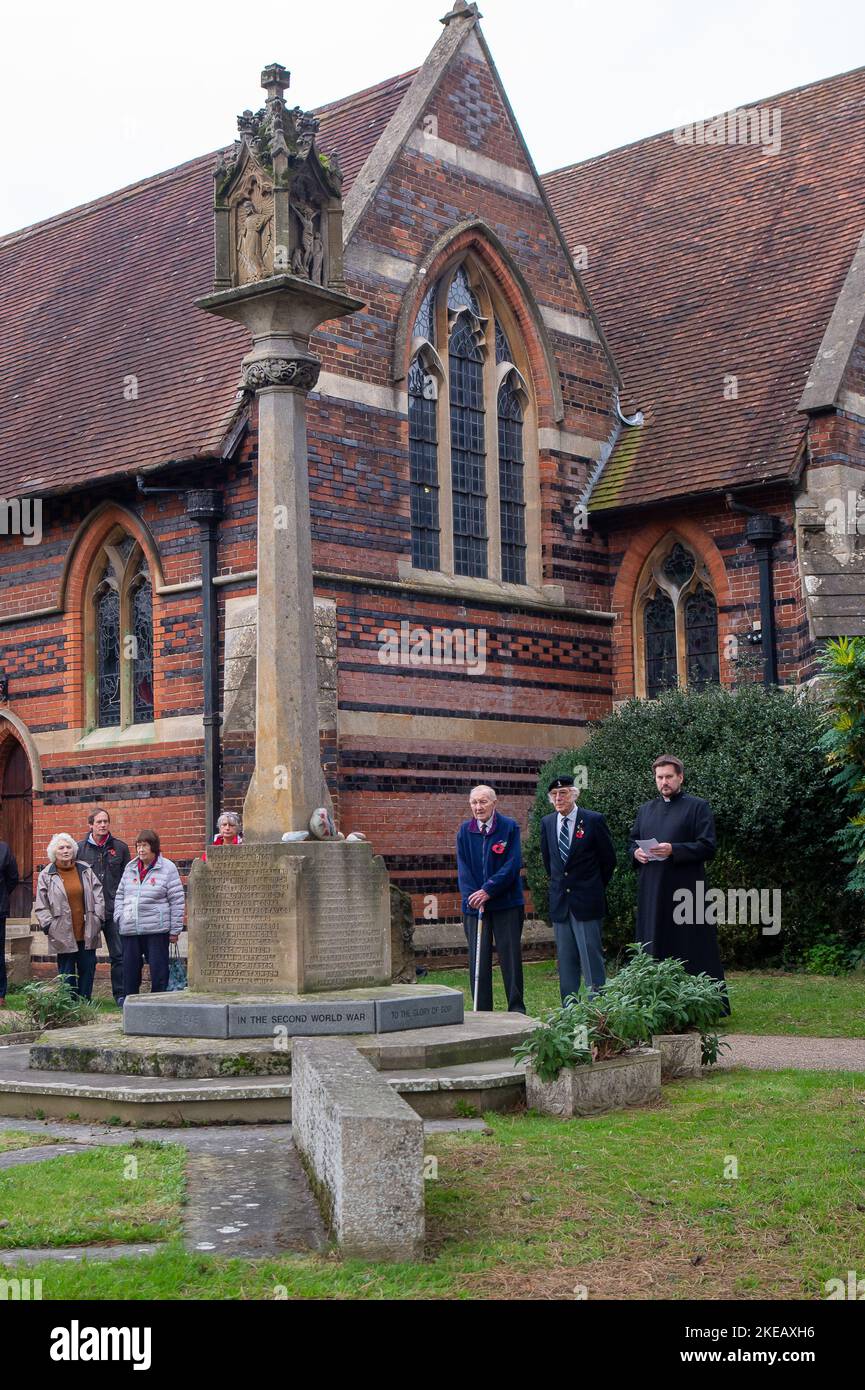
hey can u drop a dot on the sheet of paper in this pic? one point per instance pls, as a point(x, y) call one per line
point(649, 846)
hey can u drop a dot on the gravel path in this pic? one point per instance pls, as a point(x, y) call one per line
point(775, 1052)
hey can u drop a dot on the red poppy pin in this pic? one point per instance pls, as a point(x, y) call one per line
point(579, 832)
point(112, 852)
point(500, 847)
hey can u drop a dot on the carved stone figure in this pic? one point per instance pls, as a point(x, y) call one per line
point(254, 231)
point(304, 252)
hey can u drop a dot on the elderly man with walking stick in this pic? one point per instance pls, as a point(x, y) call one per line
point(489, 860)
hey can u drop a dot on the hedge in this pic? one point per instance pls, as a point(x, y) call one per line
point(754, 755)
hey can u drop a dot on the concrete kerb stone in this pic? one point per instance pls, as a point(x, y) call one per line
point(363, 1149)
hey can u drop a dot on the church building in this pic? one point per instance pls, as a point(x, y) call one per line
point(594, 433)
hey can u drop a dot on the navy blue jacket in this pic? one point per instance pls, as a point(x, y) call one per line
point(481, 865)
point(578, 886)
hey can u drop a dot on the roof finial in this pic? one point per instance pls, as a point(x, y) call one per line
point(274, 79)
point(461, 10)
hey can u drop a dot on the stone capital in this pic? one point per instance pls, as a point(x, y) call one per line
point(301, 373)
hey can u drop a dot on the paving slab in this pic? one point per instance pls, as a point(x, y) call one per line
point(72, 1253)
point(20, 1158)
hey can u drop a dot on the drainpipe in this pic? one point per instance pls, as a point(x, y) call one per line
point(762, 530)
point(204, 505)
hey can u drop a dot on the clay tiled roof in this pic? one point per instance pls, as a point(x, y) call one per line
point(106, 292)
point(709, 260)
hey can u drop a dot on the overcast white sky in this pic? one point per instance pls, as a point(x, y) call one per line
point(96, 95)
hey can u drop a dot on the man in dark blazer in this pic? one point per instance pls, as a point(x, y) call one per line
point(489, 860)
point(107, 857)
point(579, 858)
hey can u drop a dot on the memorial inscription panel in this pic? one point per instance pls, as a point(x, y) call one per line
point(346, 903)
point(243, 921)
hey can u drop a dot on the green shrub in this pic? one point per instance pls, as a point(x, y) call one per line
point(669, 999)
point(754, 755)
point(52, 1004)
point(582, 1031)
point(843, 742)
point(828, 959)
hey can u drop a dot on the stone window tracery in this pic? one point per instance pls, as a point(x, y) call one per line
point(119, 635)
point(472, 436)
point(676, 623)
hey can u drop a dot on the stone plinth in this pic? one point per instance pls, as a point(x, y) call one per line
point(386, 1009)
point(363, 1148)
point(294, 918)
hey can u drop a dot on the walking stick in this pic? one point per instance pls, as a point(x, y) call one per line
point(478, 956)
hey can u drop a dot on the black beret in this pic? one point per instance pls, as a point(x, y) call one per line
point(560, 782)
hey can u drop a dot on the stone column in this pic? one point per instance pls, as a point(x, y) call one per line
point(282, 312)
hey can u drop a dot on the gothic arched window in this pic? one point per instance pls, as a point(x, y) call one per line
point(119, 635)
point(676, 623)
point(472, 436)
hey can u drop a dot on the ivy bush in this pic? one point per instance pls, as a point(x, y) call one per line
point(755, 756)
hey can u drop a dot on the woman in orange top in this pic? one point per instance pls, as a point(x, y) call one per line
point(70, 908)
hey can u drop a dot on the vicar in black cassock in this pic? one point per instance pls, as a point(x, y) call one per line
point(684, 827)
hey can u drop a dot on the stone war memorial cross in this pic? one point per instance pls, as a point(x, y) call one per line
point(290, 935)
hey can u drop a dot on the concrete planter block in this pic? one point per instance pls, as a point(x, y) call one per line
point(632, 1079)
point(362, 1146)
point(681, 1054)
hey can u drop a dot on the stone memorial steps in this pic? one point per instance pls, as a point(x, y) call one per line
point(99, 1073)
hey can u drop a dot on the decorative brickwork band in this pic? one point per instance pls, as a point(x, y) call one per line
point(300, 372)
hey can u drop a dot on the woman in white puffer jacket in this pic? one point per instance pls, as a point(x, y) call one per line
point(148, 910)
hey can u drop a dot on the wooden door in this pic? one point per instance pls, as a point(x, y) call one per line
point(16, 824)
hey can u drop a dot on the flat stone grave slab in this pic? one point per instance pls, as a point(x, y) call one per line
point(378, 1009)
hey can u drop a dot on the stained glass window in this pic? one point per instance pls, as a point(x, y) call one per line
point(461, 295)
point(468, 451)
point(142, 667)
point(701, 632)
point(679, 565)
point(511, 493)
point(423, 464)
point(503, 347)
point(424, 324)
point(108, 655)
point(660, 633)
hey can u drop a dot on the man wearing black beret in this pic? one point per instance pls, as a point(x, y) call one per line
point(579, 858)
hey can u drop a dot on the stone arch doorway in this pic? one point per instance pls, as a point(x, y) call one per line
point(16, 820)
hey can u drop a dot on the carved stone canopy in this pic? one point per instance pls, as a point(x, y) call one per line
point(277, 201)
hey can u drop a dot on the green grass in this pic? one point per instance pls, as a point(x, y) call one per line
point(19, 1139)
point(94, 1197)
point(631, 1205)
point(821, 1006)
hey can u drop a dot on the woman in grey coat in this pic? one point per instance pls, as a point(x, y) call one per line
point(70, 909)
point(148, 909)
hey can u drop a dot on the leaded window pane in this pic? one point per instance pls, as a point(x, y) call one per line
point(142, 665)
point(511, 486)
point(503, 347)
point(468, 452)
point(660, 634)
point(108, 656)
point(424, 324)
point(679, 565)
point(701, 632)
point(461, 295)
point(423, 468)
